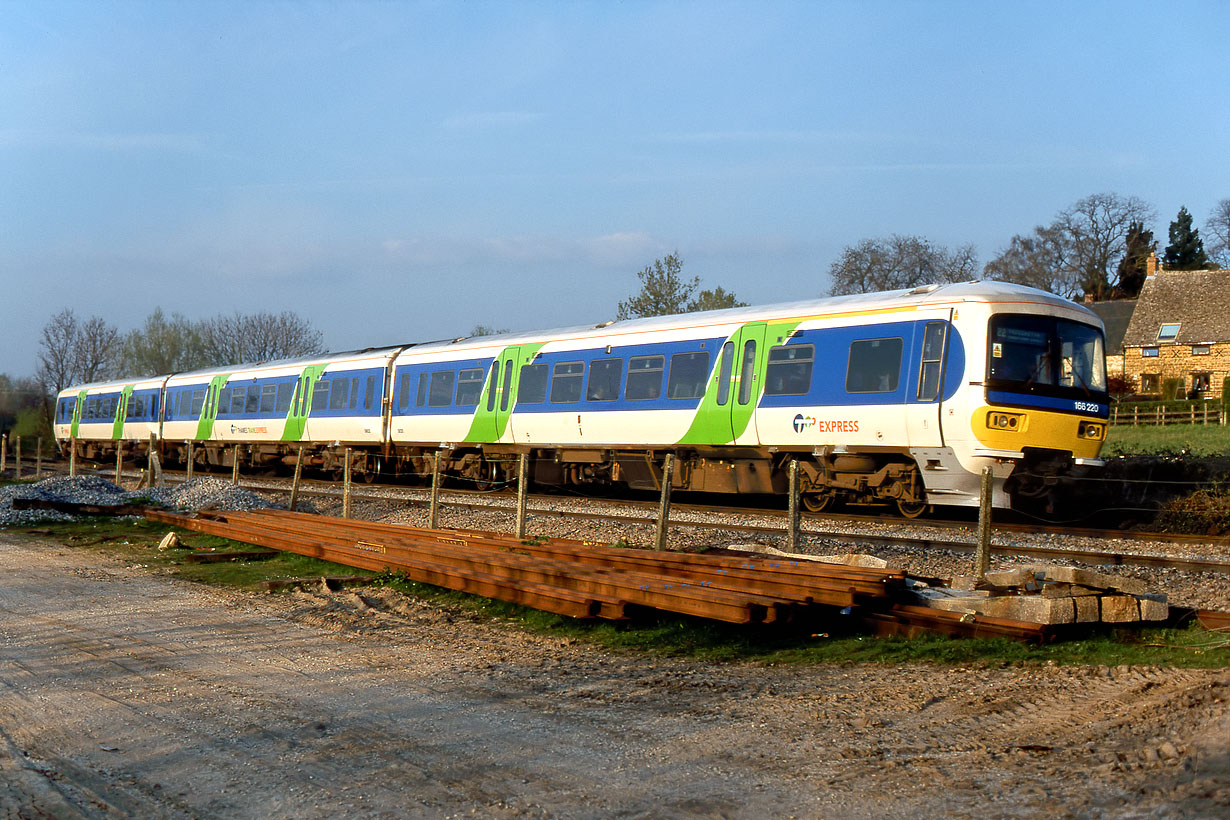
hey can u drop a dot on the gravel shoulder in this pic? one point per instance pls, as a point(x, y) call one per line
point(127, 694)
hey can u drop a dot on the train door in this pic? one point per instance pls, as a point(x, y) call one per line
point(209, 408)
point(121, 413)
point(301, 403)
point(747, 383)
point(925, 401)
point(506, 374)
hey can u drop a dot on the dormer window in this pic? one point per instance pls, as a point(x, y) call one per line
point(1168, 332)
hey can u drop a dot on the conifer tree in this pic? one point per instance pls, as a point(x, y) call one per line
point(1130, 276)
point(1186, 250)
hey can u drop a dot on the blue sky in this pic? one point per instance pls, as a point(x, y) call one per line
point(399, 171)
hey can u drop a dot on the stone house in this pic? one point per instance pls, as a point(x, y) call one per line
point(1180, 329)
point(1115, 316)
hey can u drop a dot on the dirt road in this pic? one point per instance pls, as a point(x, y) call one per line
point(125, 694)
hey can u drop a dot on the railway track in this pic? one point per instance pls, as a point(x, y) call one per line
point(952, 536)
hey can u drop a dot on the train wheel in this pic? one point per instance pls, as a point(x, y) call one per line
point(818, 502)
point(911, 509)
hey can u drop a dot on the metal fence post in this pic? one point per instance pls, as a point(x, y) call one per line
point(119, 463)
point(4, 452)
point(982, 559)
point(72, 457)
point(17, 458)
point(235, 465)
point(38, 459)
point(191, 460)
point(523, 489)
point(664, 505)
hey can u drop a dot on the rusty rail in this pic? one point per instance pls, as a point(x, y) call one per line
point(568, 577)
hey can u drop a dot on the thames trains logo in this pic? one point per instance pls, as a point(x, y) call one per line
point(802, 422)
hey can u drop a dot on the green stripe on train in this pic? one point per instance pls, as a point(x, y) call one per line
point(301, 402)
point(490, 425)
point(121, 411)
point(724, 424)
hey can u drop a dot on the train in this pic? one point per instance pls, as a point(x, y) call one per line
point(900, 398)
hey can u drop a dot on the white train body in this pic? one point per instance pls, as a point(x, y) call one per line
point(902, 397)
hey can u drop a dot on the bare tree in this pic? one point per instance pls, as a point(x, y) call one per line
point(257, 337)
point(899, 262)
point(1218, 230)
point(57, 356)
point(1078, 251)
point(97, 350)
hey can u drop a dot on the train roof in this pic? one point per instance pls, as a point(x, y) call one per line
point(938, 294)
point(979, 291)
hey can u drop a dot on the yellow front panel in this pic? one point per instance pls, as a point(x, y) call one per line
point(1037, 428)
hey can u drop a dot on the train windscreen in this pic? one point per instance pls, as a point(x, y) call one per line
point(1044, 355)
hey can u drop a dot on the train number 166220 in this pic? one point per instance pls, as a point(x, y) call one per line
point(1086, 407)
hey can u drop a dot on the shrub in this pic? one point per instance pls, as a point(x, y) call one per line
point(1202, 512)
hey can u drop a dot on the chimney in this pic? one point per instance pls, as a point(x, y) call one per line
point(1151, 265)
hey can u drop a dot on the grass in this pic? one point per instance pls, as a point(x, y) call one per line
point(1171, 439)
point(661, 634)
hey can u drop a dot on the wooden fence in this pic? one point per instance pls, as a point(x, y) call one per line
point(1136, 413)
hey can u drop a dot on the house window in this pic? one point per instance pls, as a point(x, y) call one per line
point(1168, 332)
point(1200, 350)
point(1149, 352)
point(1201, 382)
point(1150, 383)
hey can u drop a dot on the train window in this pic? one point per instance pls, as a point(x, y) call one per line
point(269, 397)
point(605, 377)
point(728, 364)
point(153, 407)
point(689, 373)
point(566, 380)
point(339, 395)
point(354, 391)
point(253, 402)
point(420, 399)
point(198, 401)
point(874, 366)
point(507, 391)
point(533, 386)
point(370, 394)
point(747, 369)
point(440, 394)
point(224, 401)
point(469, 386)
point(789, 370)
point(492, 383)
point(235, 405)
point(282, 403)
point(932, 361)
point(645, 377)
point(403, 392)
point(320, 394)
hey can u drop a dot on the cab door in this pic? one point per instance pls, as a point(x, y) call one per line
point(924, 404)
point(747, 383)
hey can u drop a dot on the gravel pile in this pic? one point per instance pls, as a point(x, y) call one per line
point(199, 494)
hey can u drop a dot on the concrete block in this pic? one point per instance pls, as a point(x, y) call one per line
point(1022, 578)
point(1153, 610)
point(1030, 608)
point(1119, 609)
point(1060, 590)
point(1087, 609)
point(1088, 578)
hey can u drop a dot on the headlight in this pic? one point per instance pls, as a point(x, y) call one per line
point(1091, 430)
point(1012, 422)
